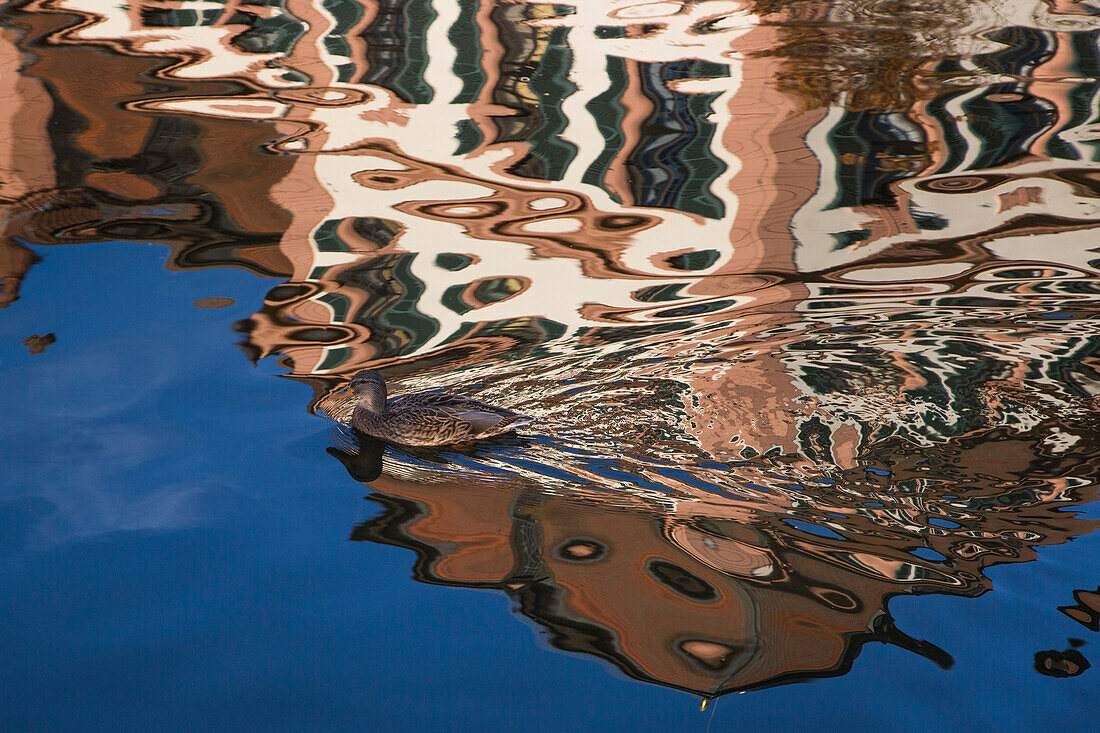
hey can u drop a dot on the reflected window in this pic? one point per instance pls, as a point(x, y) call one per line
point(712, 656)
point(682, 581)
point(581, 550)
point(836, 598)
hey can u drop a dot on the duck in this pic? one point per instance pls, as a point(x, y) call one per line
point(426, 418)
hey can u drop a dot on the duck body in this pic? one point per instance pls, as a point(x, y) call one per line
point(426, 418)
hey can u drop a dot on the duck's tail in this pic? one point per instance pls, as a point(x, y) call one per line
point(513, 422)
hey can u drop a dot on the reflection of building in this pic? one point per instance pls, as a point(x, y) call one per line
point(714, 596)
point(609, 583)
point(977, 161)
point(670, 197)
point(124, 175)
point(987, 179)
point(1086, 610)
point(25, 156)
point(393, 90)
point(1068, 663)
point(407, 247)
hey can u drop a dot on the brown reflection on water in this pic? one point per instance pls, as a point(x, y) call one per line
point(713, 593)
point(803, 294)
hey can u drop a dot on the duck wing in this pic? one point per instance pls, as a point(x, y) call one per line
point(441, 417)
point(442, 403)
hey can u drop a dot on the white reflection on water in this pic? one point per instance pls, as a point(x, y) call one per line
point(582, 170)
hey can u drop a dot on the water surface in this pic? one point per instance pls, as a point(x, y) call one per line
point(804, 297)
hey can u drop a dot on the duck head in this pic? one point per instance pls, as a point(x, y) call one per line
point(370, 388)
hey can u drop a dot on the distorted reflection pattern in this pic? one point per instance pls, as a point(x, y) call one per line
point(803, 294)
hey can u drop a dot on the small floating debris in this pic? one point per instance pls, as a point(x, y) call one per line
point(211, 303)
point(37, 344)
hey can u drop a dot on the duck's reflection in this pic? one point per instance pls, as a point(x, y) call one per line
point(362, 458)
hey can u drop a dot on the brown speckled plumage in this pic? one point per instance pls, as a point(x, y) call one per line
point(426, 418)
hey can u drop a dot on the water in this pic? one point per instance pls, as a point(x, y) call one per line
point(803, 296)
